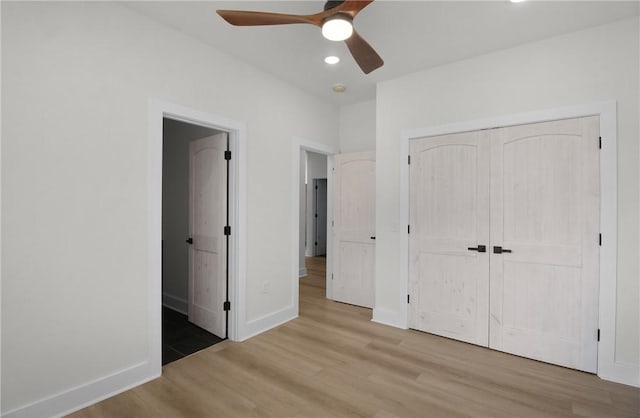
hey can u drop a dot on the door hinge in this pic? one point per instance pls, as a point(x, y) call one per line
point(331, 276)
point(408, 229)
point(600, 142)
point(227, 155)
point(600, 240)
point(226, 306)
point(598, 334)
point(227, 230)
point(408, 159)
point(408, 298)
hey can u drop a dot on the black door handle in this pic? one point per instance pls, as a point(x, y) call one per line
point(499, 250)
point(479, 248)
point(373, 237)
point(189, 240)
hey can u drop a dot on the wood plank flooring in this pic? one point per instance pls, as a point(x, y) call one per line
point(333, 361)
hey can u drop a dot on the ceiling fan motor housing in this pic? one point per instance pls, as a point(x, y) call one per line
point(332, 3)
point(342, 16)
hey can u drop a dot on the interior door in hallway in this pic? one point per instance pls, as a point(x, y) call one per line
point(207, 219)
point(354, 228)
point(545, 212)
point(449, 236)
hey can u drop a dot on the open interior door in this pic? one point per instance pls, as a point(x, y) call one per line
point(354, 228)
point(207, 221)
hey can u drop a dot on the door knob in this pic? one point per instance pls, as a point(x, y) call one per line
point(189, 240)
point(479, 248)
point(373, 237)
point(499, 250)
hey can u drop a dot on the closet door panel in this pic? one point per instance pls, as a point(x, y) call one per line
point(449, 202)
point(544, 216)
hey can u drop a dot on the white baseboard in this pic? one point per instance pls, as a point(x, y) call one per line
point(627, 374)
point(265, 323)
point(618, 372)
point(388, 317)
point(175, 303)
point(302, 272)
point(87, 394)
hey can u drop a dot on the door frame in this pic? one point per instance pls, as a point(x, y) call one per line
point(314, 201)
point(300, 144)
point(158, 110)
point(608, 368)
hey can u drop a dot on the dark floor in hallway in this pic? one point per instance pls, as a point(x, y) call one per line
point(181, 338)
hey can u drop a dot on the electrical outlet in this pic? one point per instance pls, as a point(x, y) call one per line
point(265, 287)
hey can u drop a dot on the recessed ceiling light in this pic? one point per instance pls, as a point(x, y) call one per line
point(332, 59)
point(516, 1)
point(339, 88)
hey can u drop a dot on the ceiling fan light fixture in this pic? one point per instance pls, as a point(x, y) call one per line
point(337, 28)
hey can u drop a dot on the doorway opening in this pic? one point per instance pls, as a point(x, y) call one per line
point(314, 218)
point(236, 226)
point(195, 243)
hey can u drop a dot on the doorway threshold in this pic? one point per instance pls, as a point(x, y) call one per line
point(181, 338)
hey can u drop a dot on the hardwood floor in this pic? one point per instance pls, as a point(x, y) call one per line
point(333, 361)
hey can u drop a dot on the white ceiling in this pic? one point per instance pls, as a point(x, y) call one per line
point(408, 35)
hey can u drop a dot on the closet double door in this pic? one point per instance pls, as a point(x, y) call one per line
point(504, 242)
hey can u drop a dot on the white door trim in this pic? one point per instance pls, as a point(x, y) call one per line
point(608, 367)
point(300, 144)
point(237, 214)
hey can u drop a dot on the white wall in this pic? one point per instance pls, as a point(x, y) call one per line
point(176, 136)
point(358, 127)
point(316, 169)
point(77, 79)
point(590, 66)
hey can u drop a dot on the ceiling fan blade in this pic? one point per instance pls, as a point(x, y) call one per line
point(248, 18)
point(366, 57)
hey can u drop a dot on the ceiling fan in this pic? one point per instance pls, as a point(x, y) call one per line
point(336, 22)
